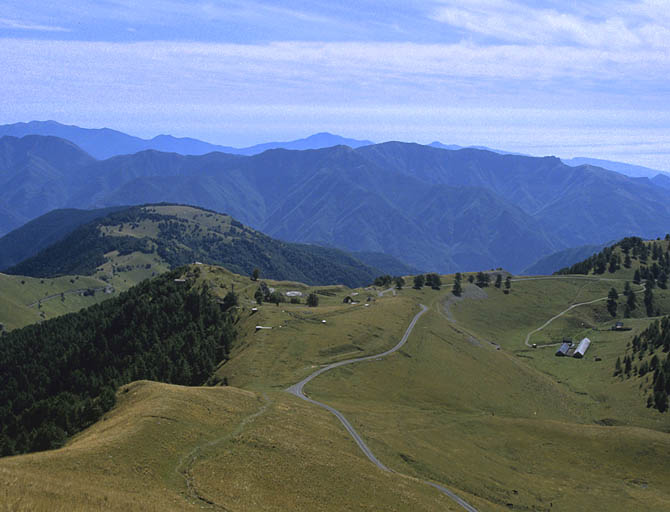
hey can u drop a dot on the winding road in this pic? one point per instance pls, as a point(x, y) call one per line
point(527, 340)
point(69, 292)
point(297, 390)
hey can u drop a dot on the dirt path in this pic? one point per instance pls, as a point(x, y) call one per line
point(185, 465)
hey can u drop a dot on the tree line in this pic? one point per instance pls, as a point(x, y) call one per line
point(654, 261)
point(651, 349)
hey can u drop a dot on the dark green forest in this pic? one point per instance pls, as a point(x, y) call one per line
point(649, 353)
point(59, 376)
point(654, 260)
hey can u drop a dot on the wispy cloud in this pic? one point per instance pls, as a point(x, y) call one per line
point(20, 25)
point(333, 71)
point(606, 25)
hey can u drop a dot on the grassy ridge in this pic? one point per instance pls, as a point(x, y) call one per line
point(171, 235)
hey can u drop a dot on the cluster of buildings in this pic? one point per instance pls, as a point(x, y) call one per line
point(568, 348)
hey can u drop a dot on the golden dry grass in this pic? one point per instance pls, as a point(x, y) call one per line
point(174, 448)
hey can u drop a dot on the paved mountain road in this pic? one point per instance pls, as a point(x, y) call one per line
point(297, 390)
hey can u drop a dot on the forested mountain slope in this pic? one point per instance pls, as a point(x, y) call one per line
point(167, 236)
point(61, 375)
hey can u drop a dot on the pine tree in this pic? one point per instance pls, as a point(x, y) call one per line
point(636, 278)
point(419, 281)
point(649, 300)
point(312, 300)
point(259, 296)
point(612, 302)
point(498, 282)
point(627, 261)
point(482, 279)
point(613, 264)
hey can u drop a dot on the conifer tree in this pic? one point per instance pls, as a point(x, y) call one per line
point(627, 261)
point(419, 281)
point(312, 300)
point(457, 289)
point(612, 302)
point(649, 300)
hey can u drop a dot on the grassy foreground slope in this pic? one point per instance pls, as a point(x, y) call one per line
point(177, 448)
point(515, 428)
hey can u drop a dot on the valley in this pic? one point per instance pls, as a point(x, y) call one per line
point(515, 428)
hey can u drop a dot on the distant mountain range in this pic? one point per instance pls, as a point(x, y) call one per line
point(178, 235)
point(431, 208)
point(456, 147)
point(634, 171)
point(104, 143)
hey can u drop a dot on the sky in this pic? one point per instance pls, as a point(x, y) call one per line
point(565, 78)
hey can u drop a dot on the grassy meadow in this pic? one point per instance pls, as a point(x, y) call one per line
point(465, 403)
point(25, 300)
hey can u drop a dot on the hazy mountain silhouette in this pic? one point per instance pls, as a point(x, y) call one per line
point(104, 143)
point(431, 208)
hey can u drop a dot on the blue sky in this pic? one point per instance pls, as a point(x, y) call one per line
point(566, 78)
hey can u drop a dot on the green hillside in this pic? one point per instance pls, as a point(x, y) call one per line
point(648, 258)
point(60, 376)
point(26, 300)
point(562, 259)
point(125, 247)
point(476, 401)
